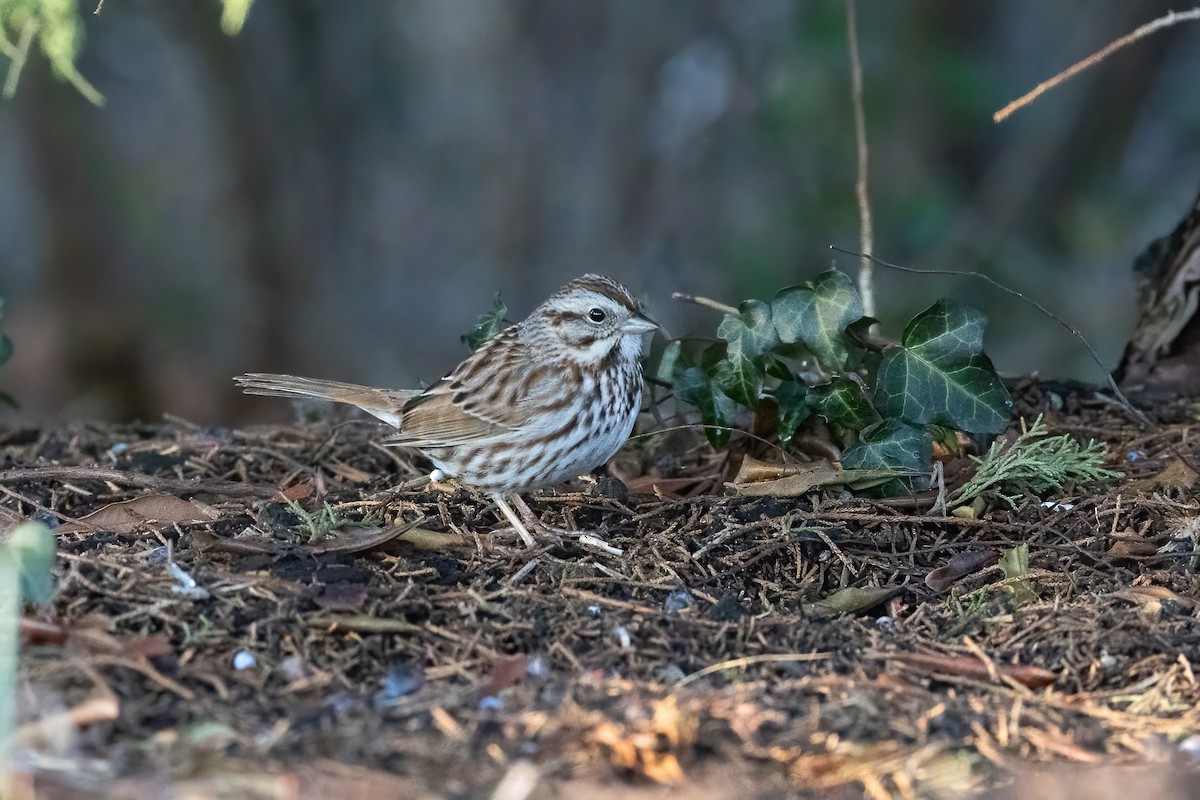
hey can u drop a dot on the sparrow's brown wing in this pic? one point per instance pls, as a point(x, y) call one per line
point(497, 394)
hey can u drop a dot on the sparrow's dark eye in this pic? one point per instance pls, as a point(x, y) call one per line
point(596, 315)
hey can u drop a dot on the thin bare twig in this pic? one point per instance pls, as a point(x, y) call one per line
point(704, 301)
point(866, 236)
point(1172, 18)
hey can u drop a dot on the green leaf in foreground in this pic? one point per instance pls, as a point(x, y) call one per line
point(233, 15)
point(841, 401)
point(816, 314)
point(940, 375)
point(29, 552)
point(749, 333)
point(793, 409)
point(893, 445)
point(488, 325)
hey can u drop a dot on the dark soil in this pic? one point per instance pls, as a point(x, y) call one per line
point(446, 660)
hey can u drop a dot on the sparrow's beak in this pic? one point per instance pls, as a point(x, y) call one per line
point(639, 323)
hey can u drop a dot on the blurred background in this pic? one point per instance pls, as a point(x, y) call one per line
point(340, 189)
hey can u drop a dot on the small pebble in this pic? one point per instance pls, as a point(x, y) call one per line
point(885, 623)
point(594, 610)
point(623, 637)
point(490, 703)
point(293, 668)
point(401, 681)
point(1107, 661)
point(244, 660)
point(158, 556)
point(677, 601)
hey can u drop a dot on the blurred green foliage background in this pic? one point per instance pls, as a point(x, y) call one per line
point(340, 189)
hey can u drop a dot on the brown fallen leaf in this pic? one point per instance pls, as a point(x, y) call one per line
point(959, 566)
point(973, 668)
point(1176, 475)
point(355, 540)
point(242, 545)
point(298, 492)
point(760, 478)
point(148, 511)
point(349, 540)
point(851, 600)
point(505, 673)
point(1154, 594)
point(1130, 544)
point(342, 597)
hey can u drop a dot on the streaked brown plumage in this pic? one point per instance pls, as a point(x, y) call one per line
point(547, 399)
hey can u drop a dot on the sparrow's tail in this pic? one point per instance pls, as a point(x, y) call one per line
point(386, 404)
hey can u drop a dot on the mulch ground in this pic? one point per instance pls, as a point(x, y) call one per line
point(380, 637)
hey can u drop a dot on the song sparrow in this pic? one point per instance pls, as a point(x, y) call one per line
point(550, 398)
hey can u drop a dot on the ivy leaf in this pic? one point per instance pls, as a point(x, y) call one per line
point(940, 375)
point(30, 549)
point(892, 445)
point(749, 334)
point(669, 359)
point(790, 396)
point(488, 325)
point(841, 401)
point(739, 378)
point(694, 386)
point(816, 314)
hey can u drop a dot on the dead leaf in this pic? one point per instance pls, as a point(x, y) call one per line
point(755, 470)
point(1154, 594)
point(959, 566)
point(298, 492)
point(355, 540)
point(1176, 475)
point(148, 511)
point(760, 478)
point(241, 545)
point(342, 597)
point(851, 600)
point(505, 674)
point(1130, 544)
